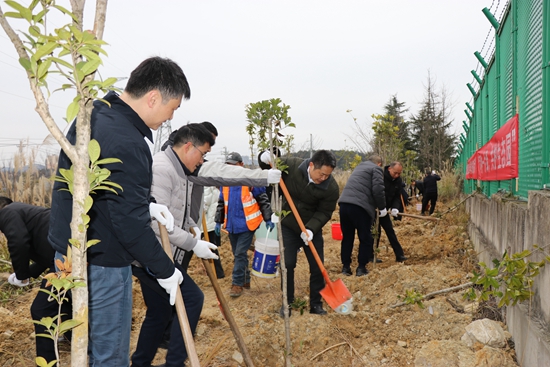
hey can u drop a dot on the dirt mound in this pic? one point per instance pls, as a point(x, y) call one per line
point(373, 335)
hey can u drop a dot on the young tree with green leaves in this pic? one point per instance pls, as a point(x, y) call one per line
point(73, 53)
point(266, 121)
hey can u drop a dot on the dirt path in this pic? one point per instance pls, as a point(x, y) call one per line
point(373, 335)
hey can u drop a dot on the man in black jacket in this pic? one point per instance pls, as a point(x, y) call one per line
point(392, 187)
point(430, 192)
point(315, 193)
point(26, 229)
point(122, 221)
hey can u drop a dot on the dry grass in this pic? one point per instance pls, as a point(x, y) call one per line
point(24, 182)
point(450, 186)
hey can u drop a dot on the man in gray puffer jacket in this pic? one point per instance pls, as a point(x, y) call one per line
point(361, 197)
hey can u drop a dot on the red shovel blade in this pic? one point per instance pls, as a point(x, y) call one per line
point(335, 294)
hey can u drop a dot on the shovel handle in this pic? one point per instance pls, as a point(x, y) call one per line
point(303, 228)
point(180, 306)
point(419, 217)
point(226, 312)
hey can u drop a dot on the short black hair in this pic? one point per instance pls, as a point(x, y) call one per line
point(5, 201)
point(323, 158)
point(210, 127)
point(197, 134)
point(158, 73)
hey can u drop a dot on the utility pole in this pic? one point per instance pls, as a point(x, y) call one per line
point(163, 133)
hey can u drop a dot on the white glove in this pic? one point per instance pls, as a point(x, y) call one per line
point(197, 233)
point(306, 237)
point(266, 157)
point(394, 212)
point(202, 250)
point(417, 196)
point(273, 176)
point(433, 172)
point(383, 213)
point(162, 214)
point(171, 285)
point(12, 279)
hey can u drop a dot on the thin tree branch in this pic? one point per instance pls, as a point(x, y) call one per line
point(41, 104)
point(433, 294)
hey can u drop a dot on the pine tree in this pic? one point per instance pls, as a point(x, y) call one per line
point(430, 134)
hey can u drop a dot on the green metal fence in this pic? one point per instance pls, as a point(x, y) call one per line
point(514, 78)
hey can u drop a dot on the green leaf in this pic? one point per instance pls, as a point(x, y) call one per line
point(90, 66)
point(92, 242)
point(68, 325)
point(62, 62)
point(34, 31)
point(88, 202)
point(11, 14)
point(26, 63)
point(43, 68)
point(41, 362)
point(74, 242)
point(94, 151)
point(44, 50)
point(101, 187)
point(72, 111)
point(65, 11)
point(39, 18)
point(114, 184)
point(25, 12)
point(108, 161)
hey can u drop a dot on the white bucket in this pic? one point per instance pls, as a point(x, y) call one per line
point(266, 258)
point(419, 207)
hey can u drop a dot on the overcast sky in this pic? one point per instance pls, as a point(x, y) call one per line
point(320, 57)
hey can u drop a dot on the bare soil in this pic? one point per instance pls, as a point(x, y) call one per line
point(373, 335)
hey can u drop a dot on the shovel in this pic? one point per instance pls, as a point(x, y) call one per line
point(335, 293)
point(222, 303)
point(180, 306)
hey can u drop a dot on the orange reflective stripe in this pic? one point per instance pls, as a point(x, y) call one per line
point(251, 208)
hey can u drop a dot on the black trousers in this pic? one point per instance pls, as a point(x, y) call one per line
point(40, 308)
point(432, 199)
point(385, 222)
point(158, 316)
point(352, 218)
point(292, 242)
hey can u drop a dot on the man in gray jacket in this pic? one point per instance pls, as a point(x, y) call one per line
point(361, 197)
point(175, 171)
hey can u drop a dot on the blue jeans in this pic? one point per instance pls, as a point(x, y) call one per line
point(240, 242)
point(110, 315)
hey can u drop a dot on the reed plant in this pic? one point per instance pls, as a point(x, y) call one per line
point(26, 182)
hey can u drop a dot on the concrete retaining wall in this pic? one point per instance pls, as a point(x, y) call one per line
point(500, 224)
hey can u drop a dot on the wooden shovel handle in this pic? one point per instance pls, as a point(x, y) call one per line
point(209, 266)
point(303, 228)
point(180, 306)
point(419, 217)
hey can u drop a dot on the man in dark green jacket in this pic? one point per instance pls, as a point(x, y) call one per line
point(315, 193)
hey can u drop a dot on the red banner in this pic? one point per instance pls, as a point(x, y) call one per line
point(498, 159)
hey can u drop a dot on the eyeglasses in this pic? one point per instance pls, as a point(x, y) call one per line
point(202, 153)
